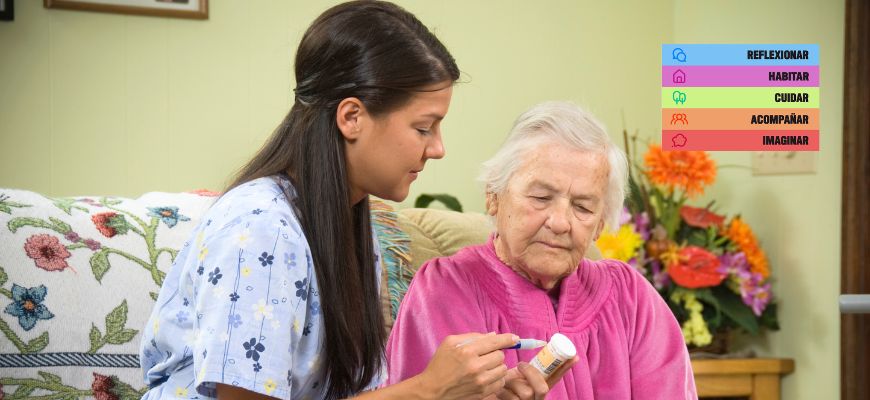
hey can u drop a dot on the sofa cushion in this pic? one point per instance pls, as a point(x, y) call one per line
point(78, 279)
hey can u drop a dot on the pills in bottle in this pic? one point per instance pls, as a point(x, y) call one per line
point(554, 354)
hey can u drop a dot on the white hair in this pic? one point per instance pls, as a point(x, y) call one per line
point(565, 123)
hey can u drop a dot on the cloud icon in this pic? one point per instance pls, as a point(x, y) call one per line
point(679, 140)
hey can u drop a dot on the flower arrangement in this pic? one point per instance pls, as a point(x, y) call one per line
point(709, 268)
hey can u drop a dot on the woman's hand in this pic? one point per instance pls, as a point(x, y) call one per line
point(527, 383)
point(468, 366)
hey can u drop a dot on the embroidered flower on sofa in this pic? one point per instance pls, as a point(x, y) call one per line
point(47, 252)
point(103, 387)
point(169, 215)
point(253, 349)
point(110, 224)
point(93, 244)
point(72, 237)
point(27, 305)
point(91, 202)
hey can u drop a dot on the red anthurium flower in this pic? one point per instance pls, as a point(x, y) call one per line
point(697, 268)
point(701, 217)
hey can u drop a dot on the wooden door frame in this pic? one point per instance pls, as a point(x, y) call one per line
point(855, 251)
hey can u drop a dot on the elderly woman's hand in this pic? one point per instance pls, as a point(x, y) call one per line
point(469, 366)
point(524, 382)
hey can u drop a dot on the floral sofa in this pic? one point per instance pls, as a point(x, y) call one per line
point(79, 275)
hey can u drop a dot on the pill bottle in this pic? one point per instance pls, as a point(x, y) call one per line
point(554, 354)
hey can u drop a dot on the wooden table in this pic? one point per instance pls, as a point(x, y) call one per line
point(756, 378)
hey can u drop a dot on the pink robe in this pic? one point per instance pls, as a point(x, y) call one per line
point(629, 343)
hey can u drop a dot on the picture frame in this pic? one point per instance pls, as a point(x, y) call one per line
point(191, 9)
point(7, 10)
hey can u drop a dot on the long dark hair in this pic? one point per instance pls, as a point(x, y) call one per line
point(381, 54)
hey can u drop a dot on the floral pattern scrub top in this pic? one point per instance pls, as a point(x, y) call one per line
point(240, 305)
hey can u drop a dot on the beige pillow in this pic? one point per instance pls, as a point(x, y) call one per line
point(437, 233)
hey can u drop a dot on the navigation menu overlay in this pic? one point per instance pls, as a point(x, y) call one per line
point(740, 97)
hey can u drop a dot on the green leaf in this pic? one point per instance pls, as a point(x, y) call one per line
point(116, 319)
point(23, 391)
point(122, 336)
point(100, 264)
point(37, 344)
point(95, 337)
point(768, 317)
point(3, 276)
point(19, 222)
point(153, 296)
point(635, 197)
point(125, 391)
point(60, 226)
point(50, 378)
point(738, 312)
point(5, 208)
point(449, 201)
point(65, 204)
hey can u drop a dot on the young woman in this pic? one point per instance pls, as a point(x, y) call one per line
point(276, 294)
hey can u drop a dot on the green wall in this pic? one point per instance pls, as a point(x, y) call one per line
point(109, 104)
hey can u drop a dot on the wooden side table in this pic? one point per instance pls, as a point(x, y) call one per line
point(756, 378)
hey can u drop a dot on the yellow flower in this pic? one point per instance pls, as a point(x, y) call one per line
point(621, 245)
point(156, 326)
point(203, 251)
point(246, 271)
point(695, 330)
point(269, 385)
point(180, 392)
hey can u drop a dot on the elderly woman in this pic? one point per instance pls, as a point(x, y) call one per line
point(551, 188)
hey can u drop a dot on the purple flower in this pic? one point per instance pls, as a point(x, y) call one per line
point(93, 244)
point(641, 225)
point(756, 297)
point(734, 264)
point(72, 237)
point(624, 216)
point(660, 276)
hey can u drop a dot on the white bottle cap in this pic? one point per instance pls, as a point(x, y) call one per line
point(562, 346)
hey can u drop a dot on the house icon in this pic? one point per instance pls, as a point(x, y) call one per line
point(679, 76)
